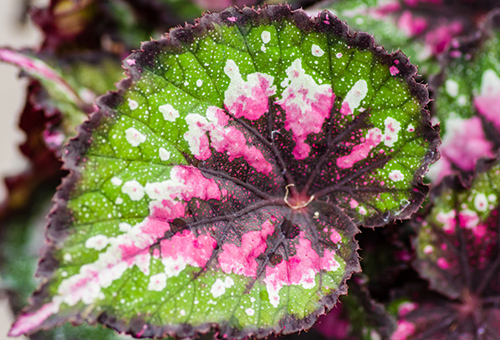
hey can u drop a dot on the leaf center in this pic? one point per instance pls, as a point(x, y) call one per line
point(297, 201)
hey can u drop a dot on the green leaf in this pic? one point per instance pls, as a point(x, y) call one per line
point(397, 28)
point(223, 184)
point(466, 94)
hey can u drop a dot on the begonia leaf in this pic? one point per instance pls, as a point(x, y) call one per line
point(467, 93)
point(458, 252)
point(421, 32)
point(222, 186)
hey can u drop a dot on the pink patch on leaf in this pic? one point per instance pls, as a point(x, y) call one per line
point(195, 250)
point(442, 263)
point(335, 236)
point(224, 139)
point(411, 25)
point(464, 142)
point(361, 151)
point(468, 219)
point(448, 220)
point(441, 37)
point(242, 260)
point(27, 322)
point(248, 99)
point(405, 308)
point(345, 109)
point(306, 105)
point(488, 101)
point(394, 70)
point(300, 269)
point(404, 330)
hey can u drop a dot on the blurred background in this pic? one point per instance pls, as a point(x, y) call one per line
point(16, 33)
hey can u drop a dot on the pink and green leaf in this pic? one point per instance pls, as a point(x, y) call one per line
point(458, 252)
point(223, 184)
point(466, 96)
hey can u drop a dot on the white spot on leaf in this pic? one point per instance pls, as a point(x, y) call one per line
point(392, 128)
point(266, 37)
point(132, 104)
point(396, 176)
point(481, 202)
point(134, 190)
point(317, 51)
point(134, 137)
point(98, 242)
point(169, 112)
point(164, 154)
point(116, 181)
point(219, 287)
point(451, 87)
point(356, 94)
point(124, 227)
point(157, 282)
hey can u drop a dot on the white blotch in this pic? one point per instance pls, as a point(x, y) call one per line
point(134, 190)
point(481, 202)
point(428, 249)
point(266, 37)
point(182, 312)
point(67, 257)
point(169, 112)
point(124, 227)
point(132, 104)
point(317, 51)
point(219, 287)
point(134, 137)
point(392, 128)
point(199, 82)
point(174, 266)
point(164, 154)
point(492, 198)
point(157, 282)
point(362, 210)
point(98, 242)
point(116, 181)
point(339, 55)
point(119, 200)
point(489, 83)
point(462, 100)
point(356, 94)
point(250, 311)
point(396, 176)
point(263, 48)
point(451, 87)
point(410, 128)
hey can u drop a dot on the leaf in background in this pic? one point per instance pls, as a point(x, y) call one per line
point(364, 318)
point(69, 89)
point(223, 184)
point(423, 30)
point(467, 93)
point(458, 248)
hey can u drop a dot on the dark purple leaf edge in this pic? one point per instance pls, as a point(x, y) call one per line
point(60, 214)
